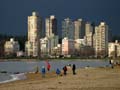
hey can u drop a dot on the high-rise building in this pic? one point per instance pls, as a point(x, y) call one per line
point(51, 33)
point(101, 40)
point(34, 29)
point(89, 29)
point(51, 26)
point(67, 29)
point(53, 42)
point(79, 29)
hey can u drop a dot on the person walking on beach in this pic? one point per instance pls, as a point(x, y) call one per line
point(65, 70)
point(43, 71)
point(48, 65)
point(58, 71)
point(73, 69)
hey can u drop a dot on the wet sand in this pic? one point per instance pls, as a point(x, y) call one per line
point(85, 79)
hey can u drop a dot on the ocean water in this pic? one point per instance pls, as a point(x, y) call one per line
point(23, 67)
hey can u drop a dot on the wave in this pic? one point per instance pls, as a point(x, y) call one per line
point(15, 77)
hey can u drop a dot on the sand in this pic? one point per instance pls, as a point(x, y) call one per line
point(85, 79)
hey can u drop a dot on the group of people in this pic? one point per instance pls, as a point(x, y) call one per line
point(58, 71)
point(44, 70)
point(73, 69)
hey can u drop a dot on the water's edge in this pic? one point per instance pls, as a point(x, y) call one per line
point(11, 67)
point(15, 77)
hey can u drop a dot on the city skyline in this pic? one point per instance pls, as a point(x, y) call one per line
point(14, 13)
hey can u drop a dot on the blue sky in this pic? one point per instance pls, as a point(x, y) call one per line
point(13, 13)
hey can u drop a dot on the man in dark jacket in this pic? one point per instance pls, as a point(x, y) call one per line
point(65, 70)
point(73, 69)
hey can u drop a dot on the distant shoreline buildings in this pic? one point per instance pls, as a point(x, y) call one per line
point(79, 38)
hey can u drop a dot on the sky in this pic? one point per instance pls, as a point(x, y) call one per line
point(14, 13)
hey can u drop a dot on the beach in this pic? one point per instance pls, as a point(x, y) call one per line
point(85, 79)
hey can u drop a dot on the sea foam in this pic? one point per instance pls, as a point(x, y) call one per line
point(15, 77)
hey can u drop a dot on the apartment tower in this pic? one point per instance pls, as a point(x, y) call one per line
point(68, 29)
point(34, 29)
point(51, 26)
point(101, 40)
point(79, 29)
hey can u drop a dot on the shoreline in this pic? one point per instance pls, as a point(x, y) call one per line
point(85, 79)
point(14, 77)
point(28, 60)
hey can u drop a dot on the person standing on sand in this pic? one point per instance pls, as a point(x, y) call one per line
point(58, 71)
point(65, 70)
point(73, 69)
point(48, 65)
point(43, 71)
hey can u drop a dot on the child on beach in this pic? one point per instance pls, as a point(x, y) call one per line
point(58, 71)
point(43, 71)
